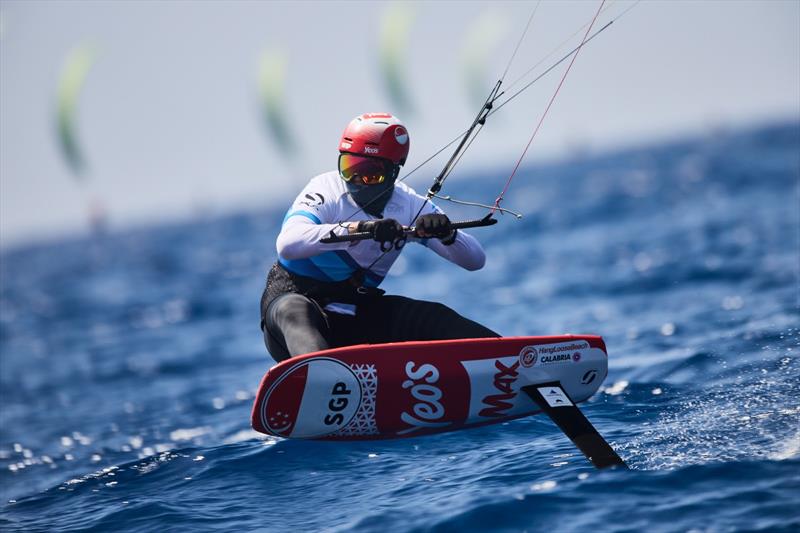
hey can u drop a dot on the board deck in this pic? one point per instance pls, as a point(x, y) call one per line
point(406, 389)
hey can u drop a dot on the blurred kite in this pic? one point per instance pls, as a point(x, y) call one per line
point(481, 40)
point(70, 85)
point(271, 85)
point(395, 26)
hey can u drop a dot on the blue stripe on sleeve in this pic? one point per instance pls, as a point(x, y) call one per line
point(308, 214)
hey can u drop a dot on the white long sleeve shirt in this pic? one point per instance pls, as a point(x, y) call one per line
point(324, 206)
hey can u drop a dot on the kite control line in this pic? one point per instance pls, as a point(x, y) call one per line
point(549, 105)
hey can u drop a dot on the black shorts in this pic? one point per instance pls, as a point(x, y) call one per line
point(294, 324)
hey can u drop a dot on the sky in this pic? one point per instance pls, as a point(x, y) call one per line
point(170, 118)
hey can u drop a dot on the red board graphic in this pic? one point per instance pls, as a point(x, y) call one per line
point(416, 388)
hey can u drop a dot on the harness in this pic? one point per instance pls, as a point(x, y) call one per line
point(352, 291)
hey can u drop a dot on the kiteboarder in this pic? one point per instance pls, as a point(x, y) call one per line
point(321, 296)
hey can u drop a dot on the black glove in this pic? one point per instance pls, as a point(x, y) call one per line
point(383, 230)
point(434, 225)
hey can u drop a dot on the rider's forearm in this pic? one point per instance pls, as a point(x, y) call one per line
point(465, 251)
point(300, 238)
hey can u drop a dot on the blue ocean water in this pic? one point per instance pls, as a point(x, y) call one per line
point(129, 362)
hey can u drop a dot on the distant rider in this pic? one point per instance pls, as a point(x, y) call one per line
point(321, 296)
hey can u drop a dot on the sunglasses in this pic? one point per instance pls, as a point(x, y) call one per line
point(365, 170)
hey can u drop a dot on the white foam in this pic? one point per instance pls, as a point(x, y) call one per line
point(616, 388)
point(789, 450)
point(188, 433)
point(544, 486)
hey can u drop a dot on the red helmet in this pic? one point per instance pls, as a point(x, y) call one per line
point(377, 135)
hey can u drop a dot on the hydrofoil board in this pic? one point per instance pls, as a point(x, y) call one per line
point(408, 389)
